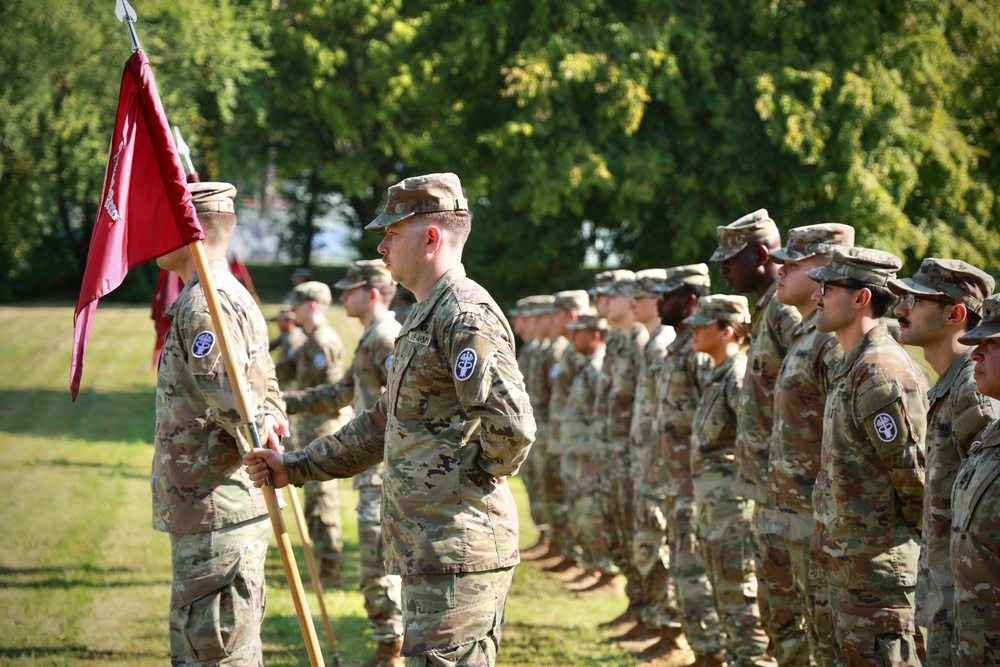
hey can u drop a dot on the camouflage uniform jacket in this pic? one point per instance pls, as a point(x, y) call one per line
point(198, 481)
point(869, 494)
point(680, 378)
point(319, 361)
point(958, 416)
point(713, 432)
point(577, 435)
point(643, 433)
point(543, 376)
point(615, 343)
point(560, 380)
point(284, 367)
point(770, 337)
point(621, 396)
point(361, 385)
point(799, 399)
point(975, 557)
point(453, 423)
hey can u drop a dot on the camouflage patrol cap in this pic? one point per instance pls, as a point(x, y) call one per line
point(950, 278)
point(875, 267)
point(303, 273)
point(811, 240)
point(365, 272)
point(720, 308)
point(620, 283)
point(736, 235)
point(213, 197)
point(602, 281)
point(312, 290)
point(538, 304)
point(573, 299)
point(420, 194)
point(520, 307)
point(688, 274)
point(646, 282)
point(989, 327)
point(285, 314)
point(589, 320)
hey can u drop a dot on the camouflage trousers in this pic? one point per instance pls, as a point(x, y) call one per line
point(727, 545)
point(651, 558)
point(694, 588)
point(382, 592)
point(827, 651)
point(616, 506)
point(218, 595)
point(568, 472)
point(555, 511)
point(454, 619)
point(874, 627)
point(587, 518)
point(977, 628)
point(807, 595)
point(322, 511)
point(531, 472)
point(785, 623)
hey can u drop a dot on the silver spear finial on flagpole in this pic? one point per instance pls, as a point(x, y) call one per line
point(127, 15)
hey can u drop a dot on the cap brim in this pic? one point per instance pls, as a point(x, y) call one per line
point(697, 320)
point(825, 273)
point(901, 285)
point(722, 254)
point(344, 283)
point(982, 332)
point(782, 255)
point(387, 220)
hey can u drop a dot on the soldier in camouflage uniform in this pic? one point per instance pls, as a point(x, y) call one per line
point(667, 484)
point(319, 361)
point(940, 303)
point(975, 504)
point(581, 456)
point(868, 498)
point(719, 329)
point(201, 496)
point(453, 424)
point(600, 532)
point(621, 363)
point(568, 304)
point(648, 547)
point(368, 290)
point(799, 399)
point(535, 310)
point(744, 251)
point(288, 343)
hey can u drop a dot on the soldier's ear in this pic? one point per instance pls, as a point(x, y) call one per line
point(433, 238)
point(958, 313)
point(862, 297)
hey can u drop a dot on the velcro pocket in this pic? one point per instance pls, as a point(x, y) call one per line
point(973, 413)
point(881, 413)
point(445, 630)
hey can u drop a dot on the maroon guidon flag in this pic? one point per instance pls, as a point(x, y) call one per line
point(168, 286)
point(145, 210)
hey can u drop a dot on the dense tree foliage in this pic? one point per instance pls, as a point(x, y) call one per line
point(628, 130)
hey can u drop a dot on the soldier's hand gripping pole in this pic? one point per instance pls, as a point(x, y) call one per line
point(246, 416)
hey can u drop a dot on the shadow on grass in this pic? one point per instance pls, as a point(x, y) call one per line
point(97, 416)
point(119, 469)
point(75, 577)
point(82, 653)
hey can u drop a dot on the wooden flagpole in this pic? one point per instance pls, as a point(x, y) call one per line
point(125, 13)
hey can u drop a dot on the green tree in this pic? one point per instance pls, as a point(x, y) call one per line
point(60, 63)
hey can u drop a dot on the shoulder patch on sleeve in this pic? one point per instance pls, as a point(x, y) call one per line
point(465, 364)
point(319, 360)
point(972, 419)
point(202, 344)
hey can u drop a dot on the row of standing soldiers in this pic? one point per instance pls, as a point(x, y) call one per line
point(776, 487)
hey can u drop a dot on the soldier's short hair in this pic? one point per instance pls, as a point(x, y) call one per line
point(458, 223)
point(882, 299)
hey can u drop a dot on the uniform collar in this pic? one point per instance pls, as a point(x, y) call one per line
point(950, 376)
point(423, 309)
point(847, 363)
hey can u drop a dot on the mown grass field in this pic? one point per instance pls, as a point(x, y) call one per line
point(84, 580)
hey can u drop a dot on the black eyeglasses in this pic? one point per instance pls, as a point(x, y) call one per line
point(851, 285)
point(910, 299)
